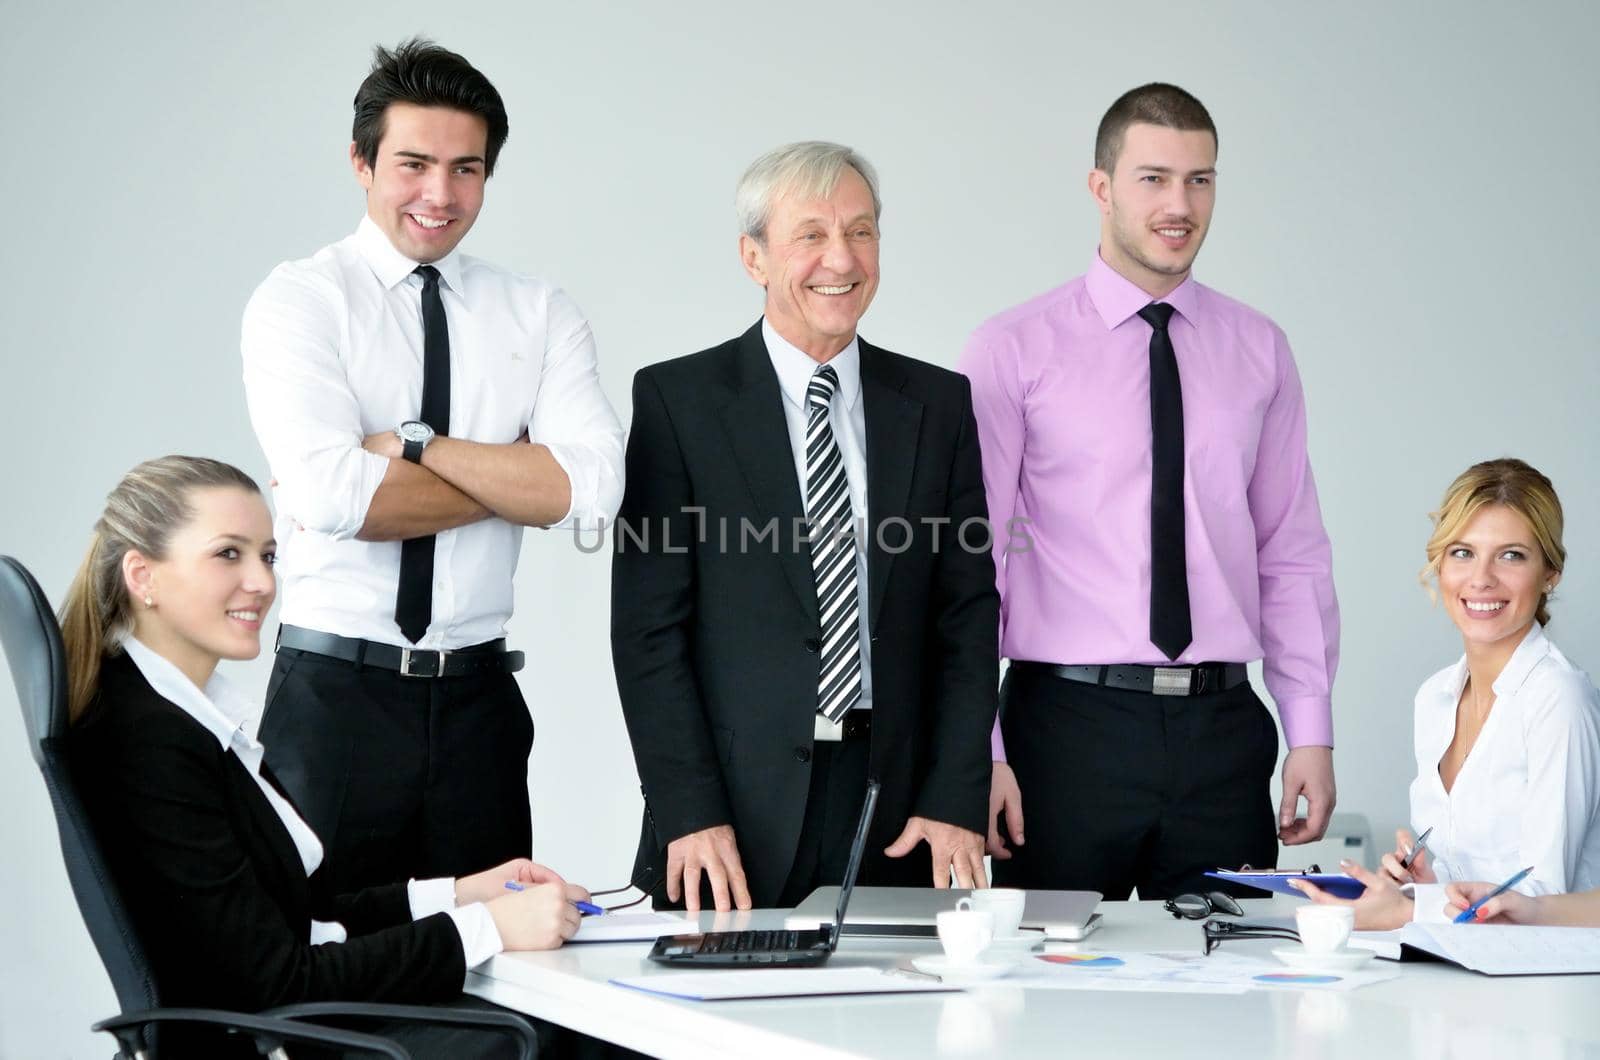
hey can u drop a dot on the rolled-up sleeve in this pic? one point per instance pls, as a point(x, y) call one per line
point(573, 419)
point(301, 405)
point(1299, 611)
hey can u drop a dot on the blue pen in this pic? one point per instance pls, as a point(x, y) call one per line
point(1466, 916)
point(586, 908)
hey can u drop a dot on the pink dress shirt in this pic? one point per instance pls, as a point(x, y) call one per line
point(1061, 388)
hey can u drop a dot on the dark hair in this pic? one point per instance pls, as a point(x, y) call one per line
point(420, 72)
point(1154, 104)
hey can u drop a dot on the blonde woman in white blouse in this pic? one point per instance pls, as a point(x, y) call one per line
point(1508, 737)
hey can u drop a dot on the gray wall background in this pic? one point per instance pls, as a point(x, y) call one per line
point(1406, 189)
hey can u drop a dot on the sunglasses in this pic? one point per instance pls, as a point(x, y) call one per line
point(1219, 931)
point(1200, 906)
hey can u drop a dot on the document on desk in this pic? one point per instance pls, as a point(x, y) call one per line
point(631, 927)
point(1493, 949)
point(779, 982)
point(1185, 972)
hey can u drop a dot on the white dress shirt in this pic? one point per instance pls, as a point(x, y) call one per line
point(222, 710)
point(333, 348)
point(847, 415)
point(1527, 792)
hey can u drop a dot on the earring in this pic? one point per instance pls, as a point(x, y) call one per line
point(147, 601)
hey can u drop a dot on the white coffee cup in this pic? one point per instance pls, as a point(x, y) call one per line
point(1324, 928)
point(1006, 903)
point(964, 932)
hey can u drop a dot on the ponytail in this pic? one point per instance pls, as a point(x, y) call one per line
point(83, 630)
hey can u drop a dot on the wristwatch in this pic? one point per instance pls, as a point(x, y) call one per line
point(415, 436)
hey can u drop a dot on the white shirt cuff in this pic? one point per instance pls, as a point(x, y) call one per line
point(327, 931)
point(1428, 903)
point(428, 897)
point(480, 940)
point(595, 487)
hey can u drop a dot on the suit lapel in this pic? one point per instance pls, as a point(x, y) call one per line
point(759, 437)
point(893, 422)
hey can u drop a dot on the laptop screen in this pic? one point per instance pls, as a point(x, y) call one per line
point(857, 848)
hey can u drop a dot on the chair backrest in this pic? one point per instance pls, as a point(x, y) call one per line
point(32, 641)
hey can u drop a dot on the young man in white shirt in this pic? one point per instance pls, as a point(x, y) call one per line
point(418, 408)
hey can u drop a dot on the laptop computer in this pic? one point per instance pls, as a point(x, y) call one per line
point(909, 912)
point(780, 948)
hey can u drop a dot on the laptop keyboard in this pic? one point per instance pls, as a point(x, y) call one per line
point(749, 941)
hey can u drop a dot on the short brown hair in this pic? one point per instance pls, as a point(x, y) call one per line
point(421, 73)
point(1153, 104)
point(1514, 484)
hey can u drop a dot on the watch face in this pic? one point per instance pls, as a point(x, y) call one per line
point(415, 431)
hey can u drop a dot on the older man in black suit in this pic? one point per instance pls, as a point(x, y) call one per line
point(801, 593)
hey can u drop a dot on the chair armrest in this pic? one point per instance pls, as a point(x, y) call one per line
point(507, 1022)
point(266, 1031)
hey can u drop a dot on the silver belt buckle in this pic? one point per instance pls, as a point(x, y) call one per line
point(405, 663)
point(1171, 681)
point(825, 731)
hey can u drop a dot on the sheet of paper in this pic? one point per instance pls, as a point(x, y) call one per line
point(1184, 972)
point(733, 984)
point(1504, 949)
point(631, 927)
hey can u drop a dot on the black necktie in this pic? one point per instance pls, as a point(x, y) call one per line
point(413, 601)
point(1169, 577)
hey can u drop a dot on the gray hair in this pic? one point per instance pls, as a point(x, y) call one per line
point(809, 169)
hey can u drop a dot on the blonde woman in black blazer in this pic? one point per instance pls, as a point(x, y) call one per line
point(213, 861)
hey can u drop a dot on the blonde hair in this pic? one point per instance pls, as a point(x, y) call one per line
point(150, 503)
point(1514, 484)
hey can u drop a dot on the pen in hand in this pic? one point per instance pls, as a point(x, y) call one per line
point(1470, 913)
point(1417, 848)
point(586, 908)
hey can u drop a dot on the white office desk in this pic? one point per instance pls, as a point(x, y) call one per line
point(1432, 1010)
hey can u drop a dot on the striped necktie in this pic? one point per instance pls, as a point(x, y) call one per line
point(833, 553)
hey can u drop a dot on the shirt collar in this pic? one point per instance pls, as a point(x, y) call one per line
point(392, 267)
point(795, 368)
point(1534, 647)
point(220, 707)
point(1116, 298)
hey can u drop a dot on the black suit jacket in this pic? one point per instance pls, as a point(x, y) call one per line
point(212, 880)
point(714, 629)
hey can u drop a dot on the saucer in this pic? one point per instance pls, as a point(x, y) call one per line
point(1021, 942)
point(1346, 960)
point(966, 972)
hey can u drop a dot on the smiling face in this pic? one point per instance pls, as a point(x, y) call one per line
point(819, 264)
point(211, 593)
point(1492, 576)
point(426, 187)
point(1155, 206)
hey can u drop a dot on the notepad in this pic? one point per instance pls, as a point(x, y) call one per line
point(631, 927)
point(1335, 883)
point(779, 982)
point(1493, 949)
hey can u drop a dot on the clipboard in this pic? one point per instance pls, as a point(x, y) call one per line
point(1335, 883)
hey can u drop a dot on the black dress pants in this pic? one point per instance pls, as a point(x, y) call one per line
point(833, 810)
point(401, 777)
point(1126, 789)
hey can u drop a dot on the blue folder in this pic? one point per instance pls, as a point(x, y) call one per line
point(1335, 883)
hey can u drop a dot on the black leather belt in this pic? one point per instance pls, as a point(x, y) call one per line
point(1157, 680)
point(489, 657)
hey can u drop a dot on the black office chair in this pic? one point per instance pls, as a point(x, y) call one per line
point(34, 650)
